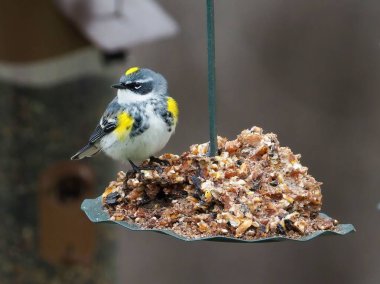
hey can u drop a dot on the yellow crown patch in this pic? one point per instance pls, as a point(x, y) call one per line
point(132, 70)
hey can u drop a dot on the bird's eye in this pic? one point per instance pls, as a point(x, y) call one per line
point(136, 86)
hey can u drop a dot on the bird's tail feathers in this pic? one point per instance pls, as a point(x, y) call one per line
point(87, 151)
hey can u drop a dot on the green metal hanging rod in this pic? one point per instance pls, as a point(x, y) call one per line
point(213, 148)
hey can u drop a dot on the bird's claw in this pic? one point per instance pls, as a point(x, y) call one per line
point(159, 161)
point(137, 169)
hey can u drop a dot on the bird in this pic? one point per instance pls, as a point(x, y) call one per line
point(138, 122)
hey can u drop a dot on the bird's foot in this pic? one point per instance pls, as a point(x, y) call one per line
point(159, 161)
point(137, 169)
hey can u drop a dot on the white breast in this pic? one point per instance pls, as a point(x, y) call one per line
point(142, 146)
point(125, 97)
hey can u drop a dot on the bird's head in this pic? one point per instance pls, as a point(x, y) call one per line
point(140, 84)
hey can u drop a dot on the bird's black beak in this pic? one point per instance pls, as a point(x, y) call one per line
point(119, 86)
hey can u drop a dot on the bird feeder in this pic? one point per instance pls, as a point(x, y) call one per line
point(262, 176)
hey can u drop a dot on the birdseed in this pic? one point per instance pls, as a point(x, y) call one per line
point(253, 189)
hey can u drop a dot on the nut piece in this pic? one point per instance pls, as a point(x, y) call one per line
point(300, 225)
point(243, 227)
point(203, 227)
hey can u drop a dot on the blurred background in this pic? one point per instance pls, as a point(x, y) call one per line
point(306, 70)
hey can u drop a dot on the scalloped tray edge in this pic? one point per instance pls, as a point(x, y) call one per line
point(95, 212)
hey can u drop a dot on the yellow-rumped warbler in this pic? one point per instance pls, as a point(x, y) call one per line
point(138, 122)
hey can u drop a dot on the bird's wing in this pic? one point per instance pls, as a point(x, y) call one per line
point(115, 118)
point(106, 125)
point(108, 122)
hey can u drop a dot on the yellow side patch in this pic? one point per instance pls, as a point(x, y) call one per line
point(173, 108)
point(132, 70)
point(124, 125)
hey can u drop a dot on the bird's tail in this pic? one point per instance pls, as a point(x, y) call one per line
point(87, 151)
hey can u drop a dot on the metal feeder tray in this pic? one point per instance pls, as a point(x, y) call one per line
point(95, 212)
